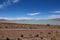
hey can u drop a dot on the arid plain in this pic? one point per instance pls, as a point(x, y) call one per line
point(14, 31)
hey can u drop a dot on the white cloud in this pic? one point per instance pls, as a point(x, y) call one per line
point(24, 18)
point(33, 14)
point(53, 16)
point(15, 1)
point(49, 17)
point(56, 12)
point(8, 2)
point(28, 18)
point(21, 18)
point(1, 6)
point(18, 18)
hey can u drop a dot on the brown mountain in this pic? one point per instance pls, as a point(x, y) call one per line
point(3, 20)
point(58, 19)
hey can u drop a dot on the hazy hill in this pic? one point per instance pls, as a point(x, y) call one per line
point(56, 19)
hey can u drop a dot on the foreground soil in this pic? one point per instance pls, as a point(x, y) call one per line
point(15, 31)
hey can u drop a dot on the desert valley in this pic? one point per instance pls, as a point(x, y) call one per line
point(13, 31)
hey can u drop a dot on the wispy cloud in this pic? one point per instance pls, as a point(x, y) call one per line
point(23, 18)
point(28, 18)
point(8, 2)
point(1, 6)
point(15, 1)
point(55, 11)
point(18, 18)
point(53, 16)
point(33, 14)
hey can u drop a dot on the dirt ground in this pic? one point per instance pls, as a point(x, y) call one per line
point(29, 31)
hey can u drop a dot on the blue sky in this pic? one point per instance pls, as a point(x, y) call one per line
point(29, 9)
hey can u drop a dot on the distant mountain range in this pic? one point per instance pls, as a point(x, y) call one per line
point(3, 20)
point(58, 19)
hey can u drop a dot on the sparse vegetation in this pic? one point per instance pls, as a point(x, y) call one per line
point(6, 26)
point(19, 39)
point(37, 35)
point(30, 27)
point(53, 39)
point(0, 26)
point(49, 33)
point(48, 24)
point(21, 35)
point(7, 38)
point(41, 37)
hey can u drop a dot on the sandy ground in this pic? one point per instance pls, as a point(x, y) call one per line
point(29, 32)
